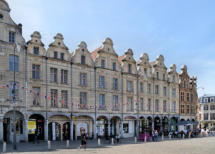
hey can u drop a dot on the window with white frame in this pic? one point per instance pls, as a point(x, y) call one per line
point(115, 102)
point(35, 71)
point(83, 100)
point(83, 79)
point(156, 105)
point(101, 82)
point(142, 104)
point(14, 63)
point(102, 101)
point(36, 96)
point(115, 83)
point(129, 86)
point(130, 104)
point(64, 98)
point(53, 74)
point(64, 76)
point(54, 98)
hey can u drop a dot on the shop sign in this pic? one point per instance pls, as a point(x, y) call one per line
point(32, 127)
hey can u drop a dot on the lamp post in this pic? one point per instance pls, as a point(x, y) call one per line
point(14, 100)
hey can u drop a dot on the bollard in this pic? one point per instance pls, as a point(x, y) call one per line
point(162, 137)
point(4, 147)
point(183, 136)
point(135, 139)
point(112, 141)
point(99, 142)
point(145, 139)
point(49, 145)
point(189, 135)
point(169, 136)
point(67, 143)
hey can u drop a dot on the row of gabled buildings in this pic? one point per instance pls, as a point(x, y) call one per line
point(58, 92)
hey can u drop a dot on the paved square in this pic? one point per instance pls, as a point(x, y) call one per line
point(187, 146)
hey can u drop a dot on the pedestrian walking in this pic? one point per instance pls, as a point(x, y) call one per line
point(83, 138)
point(153, 135)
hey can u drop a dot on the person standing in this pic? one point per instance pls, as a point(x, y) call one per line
point(83, 139)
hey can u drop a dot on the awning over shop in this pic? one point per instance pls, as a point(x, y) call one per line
point(187, 123)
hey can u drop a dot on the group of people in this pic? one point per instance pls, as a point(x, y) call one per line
point(155, 135)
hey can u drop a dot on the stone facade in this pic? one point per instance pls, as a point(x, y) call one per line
point(207, 111)
point(61, 92)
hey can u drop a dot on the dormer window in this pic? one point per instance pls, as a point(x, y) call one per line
point(59, 43)
point(62, 56)
point(83, 60)
point(1, 17)
point(36, 50)
point(173, 78)
point(129, 68)
point(55, 55)
point(163, 76)
point(102, 63)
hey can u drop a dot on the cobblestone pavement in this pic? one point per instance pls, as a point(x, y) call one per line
point(187, 146)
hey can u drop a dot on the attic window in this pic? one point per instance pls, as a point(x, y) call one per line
point(108, 49)
point(35, 40)
point(1, 16)
point(82, 50)
point(58, 43)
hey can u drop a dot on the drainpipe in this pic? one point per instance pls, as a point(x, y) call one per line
point(95, 120)
point(138, 106)
point(71, 122)
point(46, 122)
point(122, 107)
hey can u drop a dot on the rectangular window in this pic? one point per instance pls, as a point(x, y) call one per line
point(157, 75)
point(35, 71)
point(145, 73)
point(83, 79)
point(129, 86)
point(174, 107)
point(174, 93)
point(182, 96)
point(14, 90)
point(101, 82)
point(164, 106)
point(141, 87)
point(36, 50)
point(114, 66)
point(182, 108)
point(64, 98)
point(212, 107)
point(188, 109)
point(83, 61)
point(205, 107)
point(164, 91)
point(64, 76)
point(173, 78)
point(12, 37)
point(164, 77)
point(102, 63)
point(129, 68)
point(54, 98)
point(149, 88)
point(115, 83)
point(188, 97)
point(115, 103)
point(142, 104)
point(53, 74)
point(156, 105)
point(55, 55)
point(191, 98)
point(130, 105)
point(212, 116)
point(205, 116)
point(102, 101)
point(62, 56)
point(149, 105)
point(157, 89)
point(14, 62)
point(83, 100)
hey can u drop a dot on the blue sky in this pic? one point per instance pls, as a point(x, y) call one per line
point(182, 30)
